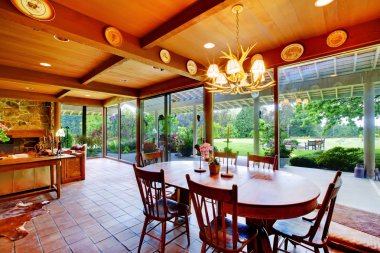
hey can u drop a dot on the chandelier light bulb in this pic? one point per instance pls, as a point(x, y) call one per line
point(233, 67)
point(221, 79)
point(298, 101)
point(286, 101)
point(305, 101)
point(213, 71)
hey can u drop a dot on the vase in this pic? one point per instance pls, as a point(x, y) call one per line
point(214, 169)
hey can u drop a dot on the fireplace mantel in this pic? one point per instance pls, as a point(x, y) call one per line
point(34, 133)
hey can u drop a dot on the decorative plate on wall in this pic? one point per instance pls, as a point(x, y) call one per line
point(191, 67)
point(336, 38)
point(113, 36)
point(165, 55)
point(292, 52)
point(41, 10)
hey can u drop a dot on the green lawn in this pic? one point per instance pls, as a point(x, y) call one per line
point(246, 145)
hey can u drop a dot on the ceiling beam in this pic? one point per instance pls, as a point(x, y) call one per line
point(48, 98)
point(193, 14)
point(175, 84)
point(34, 77)
point(83, 29)
point(110, 63)
point(62, 93)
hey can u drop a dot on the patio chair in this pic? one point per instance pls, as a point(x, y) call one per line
point(158, 208)
point(215, 228)
point(232, 156)
point(149, 158)
point(311, 235)
point(312, 144)
point(263, 162)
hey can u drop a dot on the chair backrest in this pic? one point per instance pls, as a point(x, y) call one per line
point(263, 162)
point(209, 206)
point(327, 205)
point(230, 155)
point(151, 185)
point(149, 158)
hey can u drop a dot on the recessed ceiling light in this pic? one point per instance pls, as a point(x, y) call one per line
point(45, 64)
point(321, 3)
point(29, 88)
point(61, 39)
point(87, 95)
point(209, 45)
point(123, 80)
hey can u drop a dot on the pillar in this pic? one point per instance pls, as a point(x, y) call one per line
point(57, 116)
point(194, 128)
point(104, 131)
point(369, 128)
point(138, 130)
point(256, 124)
point(208, 108)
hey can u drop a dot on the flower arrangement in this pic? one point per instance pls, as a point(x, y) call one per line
point(205, 149)
point(213, 161)
point(3, 135)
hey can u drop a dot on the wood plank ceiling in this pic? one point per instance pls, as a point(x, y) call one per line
point(88, 65)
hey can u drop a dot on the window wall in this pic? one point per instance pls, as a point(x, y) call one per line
point(73, 118)
point(128, 131)
point(322, 108)
point(71, 122)
point(94, 134)
point(250, 120)
point(112, 137)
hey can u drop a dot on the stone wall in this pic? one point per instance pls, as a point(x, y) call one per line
point(25, 115)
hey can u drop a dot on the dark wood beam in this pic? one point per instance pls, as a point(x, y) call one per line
point(34, 77)
point(48, 98)
point(175, 84)
point(112, 62)
point(361, 35)
point(62, 93)
point(183, 20)
point(86, 30)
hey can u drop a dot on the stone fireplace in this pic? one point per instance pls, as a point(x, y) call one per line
point(28, 121)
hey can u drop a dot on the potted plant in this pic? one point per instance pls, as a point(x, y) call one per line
point(185, 142)
point(284, 155)
point(213, 165)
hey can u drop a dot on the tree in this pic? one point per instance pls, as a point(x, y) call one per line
point(244, 122)
point(334, 111)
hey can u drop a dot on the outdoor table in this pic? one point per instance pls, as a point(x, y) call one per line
point(262, 194)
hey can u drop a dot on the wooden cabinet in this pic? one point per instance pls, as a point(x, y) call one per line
point(73, 169)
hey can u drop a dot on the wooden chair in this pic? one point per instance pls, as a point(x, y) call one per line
point(311, 235)
point(149, 158)
point(215, 229)
point(158, 208)
point(232, 156)
point(263, 162)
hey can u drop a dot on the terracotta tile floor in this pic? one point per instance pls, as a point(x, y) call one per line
point(101, 214)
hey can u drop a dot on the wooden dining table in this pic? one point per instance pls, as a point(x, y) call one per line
point(263, 195)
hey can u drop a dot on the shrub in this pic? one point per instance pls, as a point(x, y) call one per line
point(304, 161)
point(340, 158)
point(149, 147)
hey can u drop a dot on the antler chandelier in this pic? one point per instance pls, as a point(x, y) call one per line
point(235, 80)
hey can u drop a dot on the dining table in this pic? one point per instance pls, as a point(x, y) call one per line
point(264, 195)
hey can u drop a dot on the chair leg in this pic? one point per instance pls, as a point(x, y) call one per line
point(316, 250)
point(325, 249)
point(275, 243)
point(187, 228)
point(163, 236)
point(203, 250)
point(143, 233)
